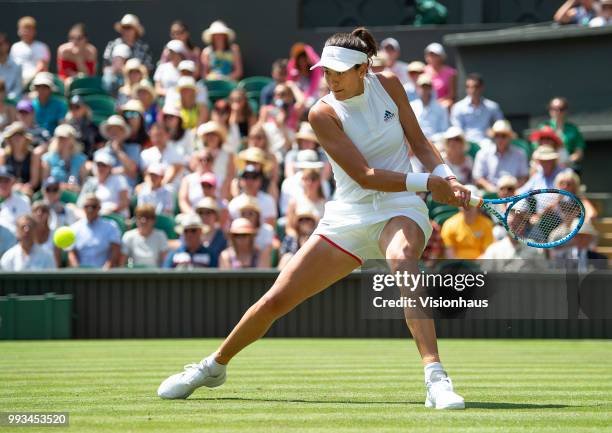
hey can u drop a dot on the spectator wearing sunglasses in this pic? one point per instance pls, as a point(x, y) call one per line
point(250, 183)
point(191, 253)
point(145, 246)
point(98, 240)
point(64, 160)
point(133, 113)
point(60, 214)
point(77, 56)
point(570, 134)
point(126, 156)
point(215, 217)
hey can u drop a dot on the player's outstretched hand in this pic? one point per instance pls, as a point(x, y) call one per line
point(442, 192)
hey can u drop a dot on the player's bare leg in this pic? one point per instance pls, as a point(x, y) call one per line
point(402, 242)
point(315, 267)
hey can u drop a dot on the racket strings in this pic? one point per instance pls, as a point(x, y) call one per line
point(543, 218)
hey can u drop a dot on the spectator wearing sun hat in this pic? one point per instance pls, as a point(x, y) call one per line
point(161, 151)
point(242, 252)
point(182, 139)
point(191, 253)
point(65, 160)
point(221, 59)
point(251, 179)
point(133, 73)
point(187, 68)
point(298, 232)
point(309, 170)
point(432, 117)
point(192, 113)
point(30, 54)
point(49, 111)
point(475, 114)
point(415, 70)
point(493, 162)
point(126, 156)
point(110, 188)
point(145, 93)
point(215, 217)
point(264, 237)
point(443, 77)
point(212, 136)
point(455, 155)
point(265, 162)
point(547, 136)
point(19, 155)
point(131, 31)
point(113, 73)
point(133, 113)
point(392, 48)
point(167, 74)
point(305, 139)
point(547, 167)
point(153, 192)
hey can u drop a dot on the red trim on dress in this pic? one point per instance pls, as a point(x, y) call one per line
point(332, 243)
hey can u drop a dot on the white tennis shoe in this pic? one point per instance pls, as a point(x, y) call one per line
point(182, 385)
point(440, 394)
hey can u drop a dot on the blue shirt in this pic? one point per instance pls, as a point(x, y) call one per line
point(433, 118)
point(540, 181)
point(10, 72)
point(491, 165)
point(48, 116)
point(61, 170)
point(475, 120)
point(7, 239)
point(93, 241)
point(181, 258)
point(217, 244)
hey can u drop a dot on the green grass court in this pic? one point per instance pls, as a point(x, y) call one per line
point(304, 385)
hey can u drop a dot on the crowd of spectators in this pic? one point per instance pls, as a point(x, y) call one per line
point(592, 13)
point(177, 177)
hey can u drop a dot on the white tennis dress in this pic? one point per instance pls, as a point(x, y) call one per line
point(355, 218)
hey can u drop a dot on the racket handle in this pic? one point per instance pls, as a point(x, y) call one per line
point(476, 201)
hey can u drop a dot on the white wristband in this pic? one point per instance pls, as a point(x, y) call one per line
point(443, 171)
point(416, 182)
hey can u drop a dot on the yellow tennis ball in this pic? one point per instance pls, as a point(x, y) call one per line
point(63, 237)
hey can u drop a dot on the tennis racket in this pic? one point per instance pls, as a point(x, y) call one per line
point(543, 218)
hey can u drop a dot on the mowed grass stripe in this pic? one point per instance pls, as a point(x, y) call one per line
point(313, 385)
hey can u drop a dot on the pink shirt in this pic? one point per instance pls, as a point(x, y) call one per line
point(441, 81)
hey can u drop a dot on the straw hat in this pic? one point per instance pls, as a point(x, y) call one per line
point(380, 59)
point(306, 133)
point(212, 126)
point(65, 131)
point(43, 79)
point(247, 202)
point(307, 210)
point(114, 120)
point(502, 127)
point(16, 128)
point(191, 221)
point(146, 86)
point(424, 80)
point(545, 153)
point(416, 66)
point(130, 20)
point(546, 132)
point(104, 157)
point(121, 50)
point(216, 28)
point(455, 132)
point(507, 180)
point(253, 154)
point(171, 110)
point(308, 158)
point(133, 105)
point(187, 65)
point(242, 226)
point(207, 203)
point(134, 64)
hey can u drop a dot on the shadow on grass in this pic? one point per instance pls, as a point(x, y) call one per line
point(469, 405)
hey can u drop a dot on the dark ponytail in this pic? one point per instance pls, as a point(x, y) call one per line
point(359, 39)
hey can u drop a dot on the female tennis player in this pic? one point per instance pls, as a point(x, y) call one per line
point(362, 124)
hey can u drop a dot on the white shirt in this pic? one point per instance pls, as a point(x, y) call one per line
point(108, 192)
point(600, 22)
point(505, 255)
point(167, 75)
point(144, 251)
point(400, 69)
point(16, 259)
point(266, 203)
point(28, 56)
point(162, 198)
point(292, 187)
point(264, 236)
point(169, 156)
point(185, 145)
point(12, 208)
point(433, 118)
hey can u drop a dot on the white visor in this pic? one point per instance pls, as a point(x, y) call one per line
point(340, 59)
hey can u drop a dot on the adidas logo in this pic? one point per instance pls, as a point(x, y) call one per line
point(389, 115)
